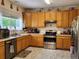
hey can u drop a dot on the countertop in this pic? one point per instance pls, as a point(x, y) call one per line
point(64, 35)
point(25, 34)
point(13, 37)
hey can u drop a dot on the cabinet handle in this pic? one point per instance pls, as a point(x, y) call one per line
point(2, 2)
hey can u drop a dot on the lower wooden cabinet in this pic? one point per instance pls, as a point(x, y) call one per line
point(66, 42)
point(2, 50)
point(63, 42)
point(59, 42)
point(37, 40)
point(22, 43)
point(19, 45)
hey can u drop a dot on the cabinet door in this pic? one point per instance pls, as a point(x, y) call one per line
point(72, 15)
point(27, 41)
point(27, 19)
point(19, 45)
point(40, 41)
point(53, 15)
point(2, 52)
point(47, 16)
point(23, 42)
point(59, 43)
point(34, 19)
point(65, 19)
point(66, 42)
point(41, 19)
point(34, 41)
point(59, 19)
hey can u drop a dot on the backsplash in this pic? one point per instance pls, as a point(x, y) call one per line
point(61, 30)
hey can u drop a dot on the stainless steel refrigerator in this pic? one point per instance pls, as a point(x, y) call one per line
point(75, 38)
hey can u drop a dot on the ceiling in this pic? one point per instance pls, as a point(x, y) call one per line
point(42, 4)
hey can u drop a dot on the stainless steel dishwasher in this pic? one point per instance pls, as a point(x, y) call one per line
point(10, 47)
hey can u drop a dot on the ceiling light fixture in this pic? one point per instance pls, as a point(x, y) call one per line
point(48, 1)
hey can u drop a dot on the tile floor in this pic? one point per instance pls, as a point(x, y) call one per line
point(41, 53)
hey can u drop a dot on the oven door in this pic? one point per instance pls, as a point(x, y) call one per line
point(49, 39)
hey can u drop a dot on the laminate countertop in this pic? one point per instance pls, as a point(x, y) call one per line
point(64, 35)
point(20, 35)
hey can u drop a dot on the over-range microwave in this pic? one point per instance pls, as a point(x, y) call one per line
point(50, 23)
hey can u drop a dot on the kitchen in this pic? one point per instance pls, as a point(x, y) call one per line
point(39, 29)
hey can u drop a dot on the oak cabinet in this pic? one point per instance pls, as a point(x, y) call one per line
point(66, 42)
point(53, 15)
point(37, 40)
point(47, 16)
point(2, 50)
point(65, 19)
point(59, 18)
point(34, 19)
point(27, 19)
point(41, 19)
point(72, 15)
point(40, 41)
point(63, 42)
point(22, 43)
point(19, 44)
point(59, 42)
point(34, 41)
point(28, 40)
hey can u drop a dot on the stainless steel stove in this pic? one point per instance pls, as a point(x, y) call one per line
point(50, 39)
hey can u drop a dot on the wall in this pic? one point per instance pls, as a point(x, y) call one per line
point(43, 30)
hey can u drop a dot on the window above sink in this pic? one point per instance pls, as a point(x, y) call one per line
point(11, 23)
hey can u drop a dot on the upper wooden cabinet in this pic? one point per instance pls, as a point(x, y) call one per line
point(47, 16)
point(41, 19)
point(65, 19)
point(28, 19)
point(34, 19)
point(53, 15)
point(72, 15)
point(59, 18)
